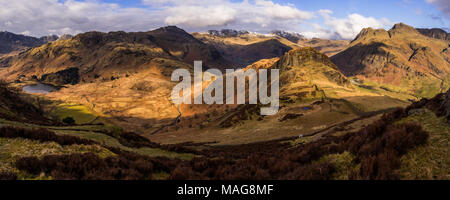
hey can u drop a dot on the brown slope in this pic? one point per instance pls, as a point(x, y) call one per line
point(103, 56)
point(245, 49)
point(15, 106)
point(401, 57)
point(187, 48)
point(315, 98)
point(327, 47)
point(122, 76)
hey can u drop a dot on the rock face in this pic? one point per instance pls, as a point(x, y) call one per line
point(401, 57)
point(435, 33)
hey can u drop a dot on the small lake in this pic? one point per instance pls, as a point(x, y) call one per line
point(39, 88)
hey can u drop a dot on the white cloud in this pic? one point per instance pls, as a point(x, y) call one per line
point(259, 14)
point(348, 28)
point(199, 17)
point(442, 5)
point(43, 17)
point(320, 32)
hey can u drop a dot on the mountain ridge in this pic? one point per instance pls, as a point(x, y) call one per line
point(401, 57)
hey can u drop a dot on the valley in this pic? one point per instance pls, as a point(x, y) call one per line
point(105, 98)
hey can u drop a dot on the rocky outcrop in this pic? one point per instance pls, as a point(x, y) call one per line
point(291, 36)
point(440, 104)
point(445, 107)
point(65, 37)
point(50, 38)
point(227, 33)
point(435, 33)
point(307, 67)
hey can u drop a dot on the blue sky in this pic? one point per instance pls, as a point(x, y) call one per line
point(335, 19)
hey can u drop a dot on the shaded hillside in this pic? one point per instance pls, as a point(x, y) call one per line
point(187, 48)
point(327, 47)
point(401, 57)
point(103, 56)
point(263, 50)
point(14, 106)
point(435, 33)
point(245, 49)
point(10, 42)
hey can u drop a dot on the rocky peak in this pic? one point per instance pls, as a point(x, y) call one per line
point(402, 28)
point(65, 37)
point(171, 29)
point(291, 36)
point(227, 33)
point(367, 33)
point(298, 57)
point(49, 38)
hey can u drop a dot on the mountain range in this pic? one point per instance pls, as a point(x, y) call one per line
point(379, 101)
point(10, 42)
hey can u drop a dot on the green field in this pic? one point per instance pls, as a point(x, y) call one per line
point(81, 114)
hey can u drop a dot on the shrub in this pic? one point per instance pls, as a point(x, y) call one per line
point(42, 135)
point(8, 176)
point(88, 167)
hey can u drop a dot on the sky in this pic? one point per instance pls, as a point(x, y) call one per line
point(330, 19)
